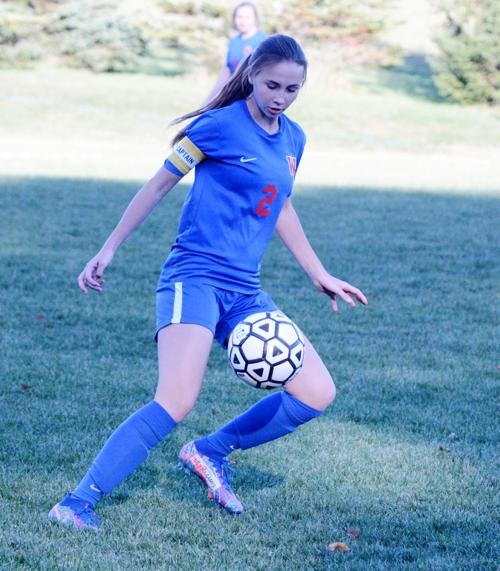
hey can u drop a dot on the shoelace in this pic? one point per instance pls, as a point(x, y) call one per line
point(224, 468)
point(86, 511)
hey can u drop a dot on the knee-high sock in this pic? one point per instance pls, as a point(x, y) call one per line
point(124, 451)
point(270, 418)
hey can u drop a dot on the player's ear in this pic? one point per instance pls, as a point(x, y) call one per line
point(249, 76)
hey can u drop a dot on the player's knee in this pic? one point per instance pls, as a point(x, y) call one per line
point(330, 394)
point(324, 395)
point(318, 395)
point(177, 405)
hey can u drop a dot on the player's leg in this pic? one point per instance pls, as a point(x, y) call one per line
point(212, 469)
point(124, 451)
point(270, 418)
point(303, 399)
point(313, 385)
point(183, 350)
point(182, 355)
point(278, 414)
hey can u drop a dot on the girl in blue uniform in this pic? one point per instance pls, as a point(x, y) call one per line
point(246, 22)
point(245, 152)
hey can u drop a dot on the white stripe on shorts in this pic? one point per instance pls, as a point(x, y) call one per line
point(177, 314)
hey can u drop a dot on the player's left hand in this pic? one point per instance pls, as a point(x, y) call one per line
point(334, 288)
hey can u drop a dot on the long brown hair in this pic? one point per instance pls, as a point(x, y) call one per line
point(272, 50)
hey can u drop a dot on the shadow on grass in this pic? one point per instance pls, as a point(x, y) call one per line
point(417, 362)
point(414, 77)
point(415, 365)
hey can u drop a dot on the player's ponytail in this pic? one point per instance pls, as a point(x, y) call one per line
point(274, 49)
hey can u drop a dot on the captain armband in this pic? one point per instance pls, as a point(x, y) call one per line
point(185, 155)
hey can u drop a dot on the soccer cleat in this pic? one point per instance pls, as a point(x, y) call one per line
point(76, 513)
point(213, 473)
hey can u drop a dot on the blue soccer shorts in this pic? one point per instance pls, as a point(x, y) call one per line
point(203, 304)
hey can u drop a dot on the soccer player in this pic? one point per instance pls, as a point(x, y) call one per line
point(246, 22)
point(245, 152)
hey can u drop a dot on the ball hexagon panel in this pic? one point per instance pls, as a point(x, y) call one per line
point(284, 372)
point(264, 328)
point(240, 332)
point(287, 332)
point(259, 371)
point(297, 354)
point(252, 348)
point(236, 359)
point(276, 351)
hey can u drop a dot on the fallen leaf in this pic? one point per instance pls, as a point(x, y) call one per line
point(338, 546)
point(353, 533)
point(25, 387)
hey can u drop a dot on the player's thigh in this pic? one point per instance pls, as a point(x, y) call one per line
point(313, 384)
point(183, 351)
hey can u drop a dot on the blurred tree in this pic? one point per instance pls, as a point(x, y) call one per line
point(164, 36)
point(19, 28)
point(469, 69)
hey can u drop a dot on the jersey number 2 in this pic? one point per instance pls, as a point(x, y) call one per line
point(263, 206)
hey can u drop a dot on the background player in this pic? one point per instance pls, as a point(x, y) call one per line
point(246, 22)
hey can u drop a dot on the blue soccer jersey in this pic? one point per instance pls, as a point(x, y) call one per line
point(243, 177)
point(239, 48)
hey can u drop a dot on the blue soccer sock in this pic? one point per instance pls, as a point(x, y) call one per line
point(124, 451)
point(270, 418)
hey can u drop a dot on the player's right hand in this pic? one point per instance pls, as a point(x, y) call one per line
point(92, 274)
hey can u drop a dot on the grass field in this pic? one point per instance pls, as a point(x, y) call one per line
point(404, 466)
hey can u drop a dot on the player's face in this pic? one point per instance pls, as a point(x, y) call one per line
point(275, 88)
point(244, 20)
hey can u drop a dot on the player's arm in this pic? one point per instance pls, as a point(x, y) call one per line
point(293, 236)
point(137, 211)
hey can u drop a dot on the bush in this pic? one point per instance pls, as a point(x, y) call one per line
point(469, 69)
point(19, 27)
point(163, 36)
point(113, 36)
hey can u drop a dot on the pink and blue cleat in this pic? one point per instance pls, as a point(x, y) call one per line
point(76, 513)
point(213, 473)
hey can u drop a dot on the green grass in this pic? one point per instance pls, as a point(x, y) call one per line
point(369, 110)
point(408, 454)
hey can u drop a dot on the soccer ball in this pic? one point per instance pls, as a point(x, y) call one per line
point(266, 350)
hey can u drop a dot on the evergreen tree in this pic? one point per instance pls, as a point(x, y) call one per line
point(469, 69)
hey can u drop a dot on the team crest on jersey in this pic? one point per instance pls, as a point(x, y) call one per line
point(292, 164)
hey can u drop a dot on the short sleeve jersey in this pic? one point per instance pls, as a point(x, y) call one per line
point(239, 48)
point(243, 176)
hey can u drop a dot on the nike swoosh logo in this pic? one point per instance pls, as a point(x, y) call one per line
point(245, 160)
point(95, 488)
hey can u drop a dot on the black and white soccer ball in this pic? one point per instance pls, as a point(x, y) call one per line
point(266, 350)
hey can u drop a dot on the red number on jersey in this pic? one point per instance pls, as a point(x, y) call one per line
point(263, 206)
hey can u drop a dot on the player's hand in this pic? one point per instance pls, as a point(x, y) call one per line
point(92, 274)
point(334, 288)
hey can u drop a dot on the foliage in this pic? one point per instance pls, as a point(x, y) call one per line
point(163, 36)
point(469, 71)
point(19, 25)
